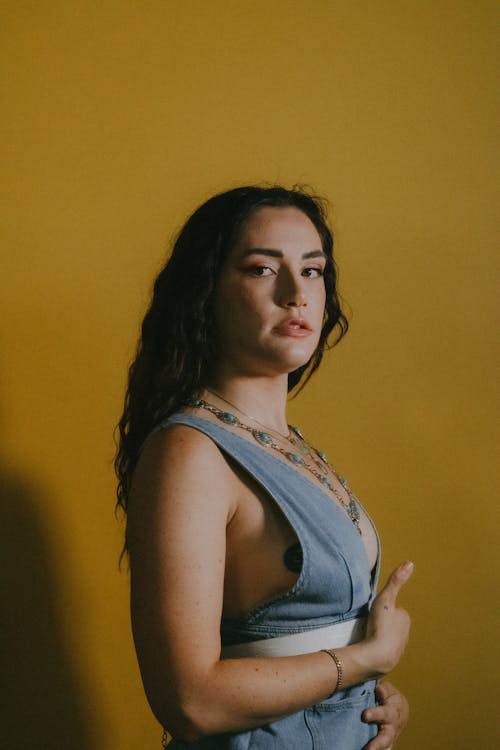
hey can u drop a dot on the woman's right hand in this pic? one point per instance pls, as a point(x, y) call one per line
point(388, 625)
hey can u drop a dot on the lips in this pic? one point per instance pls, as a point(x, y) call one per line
point(295, 327)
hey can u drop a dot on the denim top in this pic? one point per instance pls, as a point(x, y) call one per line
point(335, 582)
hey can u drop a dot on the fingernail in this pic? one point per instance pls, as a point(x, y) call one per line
point(408, 566)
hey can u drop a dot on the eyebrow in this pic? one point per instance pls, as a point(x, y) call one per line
point(279, 254)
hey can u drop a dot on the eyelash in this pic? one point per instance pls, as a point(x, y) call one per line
point(254, 270)
point(318, 271)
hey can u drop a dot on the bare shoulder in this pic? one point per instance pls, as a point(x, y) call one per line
point(178, 447)
point(180, 470)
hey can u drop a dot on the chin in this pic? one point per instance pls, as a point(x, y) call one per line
point(272, 361)
point(291, 364)
point(300, 357)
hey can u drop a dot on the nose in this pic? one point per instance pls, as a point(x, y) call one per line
point(292, 292)
point(297, 300)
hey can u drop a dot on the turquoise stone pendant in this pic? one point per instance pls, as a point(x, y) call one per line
point(226, 417)
point(262, 437)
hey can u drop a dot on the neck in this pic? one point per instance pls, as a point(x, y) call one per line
point(263, 399)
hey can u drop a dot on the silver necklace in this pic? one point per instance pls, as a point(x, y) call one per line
point(254, 419)
point(265, 439)
point(294, 435)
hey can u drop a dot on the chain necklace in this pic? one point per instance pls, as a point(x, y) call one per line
point(294, 435)
point(254, 419)
point(264, 439)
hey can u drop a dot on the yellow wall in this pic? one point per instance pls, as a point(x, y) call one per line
point(119, 118)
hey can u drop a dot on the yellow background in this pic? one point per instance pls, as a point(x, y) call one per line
point(118, 119)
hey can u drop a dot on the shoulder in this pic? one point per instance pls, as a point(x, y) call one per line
point(181, 467)
point(179, 447)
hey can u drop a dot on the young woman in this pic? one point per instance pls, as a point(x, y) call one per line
point(253, 565)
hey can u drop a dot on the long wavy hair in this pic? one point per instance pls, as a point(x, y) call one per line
point(176, 349)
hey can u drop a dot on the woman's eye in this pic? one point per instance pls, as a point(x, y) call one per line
point(312, 273)
point(261, 271)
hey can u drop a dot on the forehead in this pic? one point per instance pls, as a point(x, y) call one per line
point(278, 228)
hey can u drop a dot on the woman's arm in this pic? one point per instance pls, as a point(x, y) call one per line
point(184, 495)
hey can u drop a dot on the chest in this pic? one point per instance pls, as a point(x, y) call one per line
point(260, 536)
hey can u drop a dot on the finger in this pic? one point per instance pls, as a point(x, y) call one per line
point(372, 746)
point(385, 690)
point(393, 716)
point(383, 741)
point(380, 715)
point(396, 580)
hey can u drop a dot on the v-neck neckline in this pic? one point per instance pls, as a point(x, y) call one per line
point(327, 496)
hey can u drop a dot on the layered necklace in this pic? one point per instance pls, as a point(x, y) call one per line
point(300, 453)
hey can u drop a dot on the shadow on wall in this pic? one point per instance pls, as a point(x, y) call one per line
point(41, 704)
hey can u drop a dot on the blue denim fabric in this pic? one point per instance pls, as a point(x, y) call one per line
point(335, 584)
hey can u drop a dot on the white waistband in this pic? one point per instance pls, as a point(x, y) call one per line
point(333, 636)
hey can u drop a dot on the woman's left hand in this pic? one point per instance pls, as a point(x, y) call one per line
point(391, 716)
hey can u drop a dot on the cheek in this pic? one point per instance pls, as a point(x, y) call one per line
point(248, 301)
point(242, 303)
point(236, 313)
point(320, 303)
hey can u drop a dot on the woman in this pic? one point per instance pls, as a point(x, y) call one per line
point(253, 565)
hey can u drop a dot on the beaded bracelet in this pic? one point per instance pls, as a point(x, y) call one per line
point(338, 664)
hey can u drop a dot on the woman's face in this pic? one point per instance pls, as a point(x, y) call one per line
point(270, 297)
